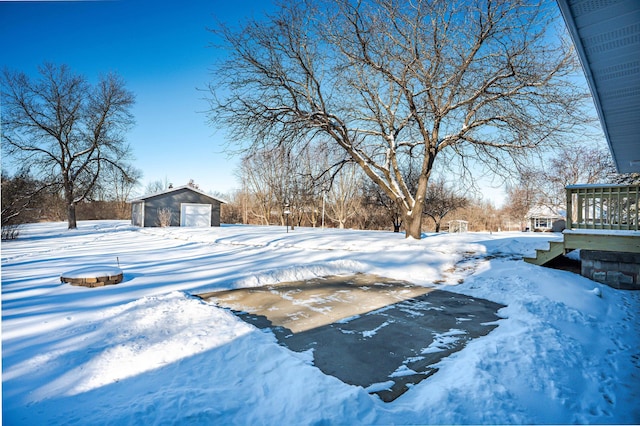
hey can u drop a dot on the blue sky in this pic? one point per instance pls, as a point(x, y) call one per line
point(161, 49)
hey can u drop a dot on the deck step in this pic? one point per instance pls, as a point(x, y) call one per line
point(556, 249)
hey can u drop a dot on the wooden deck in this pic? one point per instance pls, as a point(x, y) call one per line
point(603, 241)
point(599, 217)
point(627, 242)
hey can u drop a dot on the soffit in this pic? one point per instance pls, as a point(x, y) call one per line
point(606, 34)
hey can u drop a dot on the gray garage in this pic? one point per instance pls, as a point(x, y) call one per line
point(181, 206)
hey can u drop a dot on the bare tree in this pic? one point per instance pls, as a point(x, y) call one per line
point(19, 193)
point(396, 82)
point(65, 129)
point(156, 186)
point(266, 174)
point(481, 215)
point(25, 199)
point(345, 195)
point(441, 200)
point(524, 195)
point(119, 183)
point(517, 204)
point(378, 201)
point(312, 183)
point(259, 203)
point(545, 185)
point(575, 165)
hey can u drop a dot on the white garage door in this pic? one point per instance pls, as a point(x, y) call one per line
point(195, 214)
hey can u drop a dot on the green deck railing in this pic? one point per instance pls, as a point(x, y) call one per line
point(607, 207)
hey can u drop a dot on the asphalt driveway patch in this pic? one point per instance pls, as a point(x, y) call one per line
point(382, 334)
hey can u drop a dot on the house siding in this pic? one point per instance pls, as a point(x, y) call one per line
point(172, 202)
point(137, 211)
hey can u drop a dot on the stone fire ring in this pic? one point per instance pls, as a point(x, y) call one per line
point(93, 276)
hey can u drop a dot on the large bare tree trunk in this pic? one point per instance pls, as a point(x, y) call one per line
point(71, 215)
point(413, 225)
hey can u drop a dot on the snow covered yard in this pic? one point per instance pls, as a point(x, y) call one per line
point(147, 352)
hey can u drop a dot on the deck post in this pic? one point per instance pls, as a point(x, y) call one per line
point(569, 208)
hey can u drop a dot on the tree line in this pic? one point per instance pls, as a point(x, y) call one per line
point(280, 180)
point(281, 185)
point(27, 199)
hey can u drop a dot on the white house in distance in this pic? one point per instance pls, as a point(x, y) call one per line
point(546, 218)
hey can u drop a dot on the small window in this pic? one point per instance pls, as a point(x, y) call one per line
point(542, 223)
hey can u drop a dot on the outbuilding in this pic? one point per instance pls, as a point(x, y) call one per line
point(181, 206)
point(458, 226)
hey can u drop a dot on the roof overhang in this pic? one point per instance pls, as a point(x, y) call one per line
point(179, 188)
point(606, 35)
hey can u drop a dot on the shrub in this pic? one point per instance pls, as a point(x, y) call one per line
point(10, 232)
point(164, 217)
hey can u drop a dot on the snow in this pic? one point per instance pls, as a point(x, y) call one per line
point(92, 272)
point(146, 351)
point(443, 341)
point(616, 232)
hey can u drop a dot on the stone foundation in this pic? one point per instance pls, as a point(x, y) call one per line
point(93, 276)
point(616, 269)
point(93, 281)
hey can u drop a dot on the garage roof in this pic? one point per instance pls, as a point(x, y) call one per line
point(179, 188)
point(606, 34)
